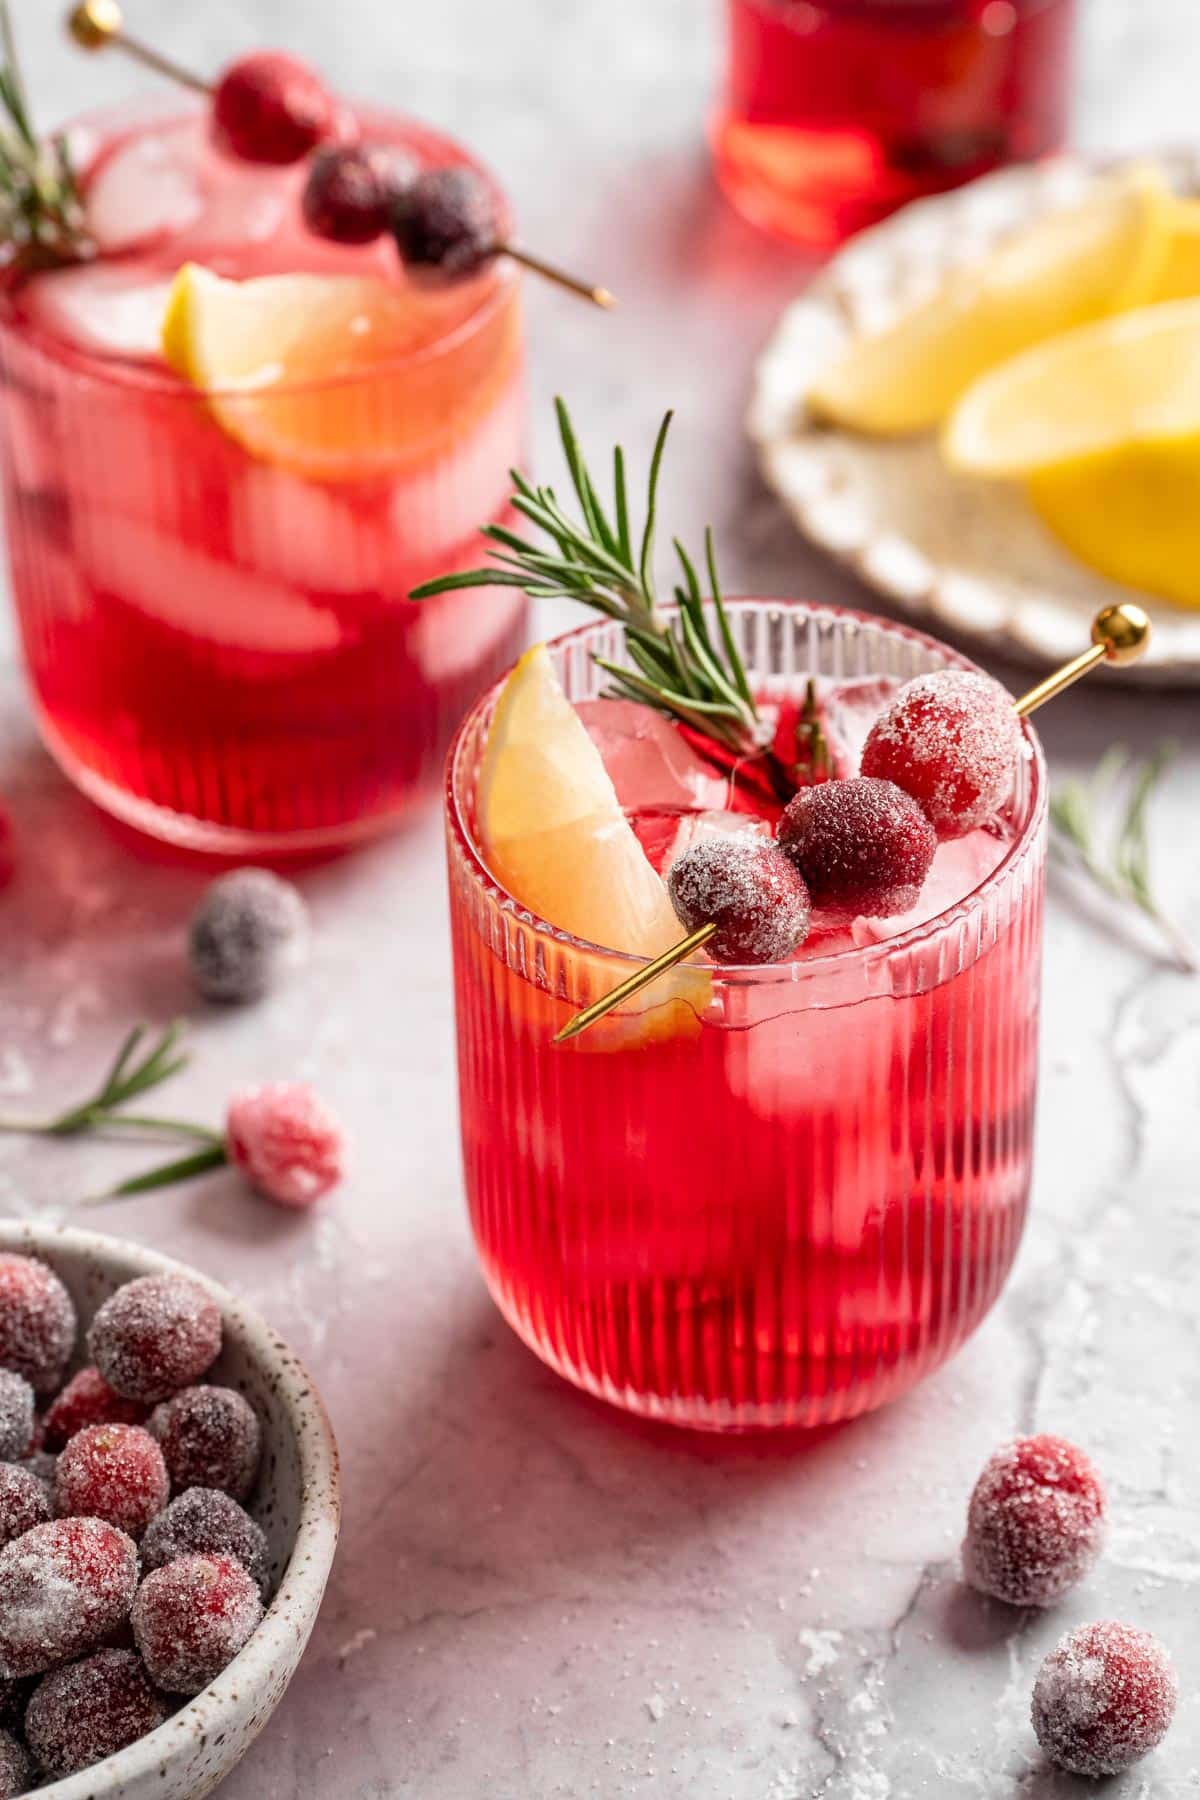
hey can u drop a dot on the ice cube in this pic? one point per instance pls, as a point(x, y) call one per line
point(850, 708)
point(103, 308)
point(700, 827)
point(455, 633)
point(650, 764)
point(438, 507)
point(307, 534)
point(958, 868)
point(195, 594)
point(146, 186)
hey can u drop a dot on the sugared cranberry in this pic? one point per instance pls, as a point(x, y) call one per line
point(749, 890)
point(24, 1501)
point(16, 1770)
point(210, 1438)
point(41, 1464)
point(13, 1696)
point(249, 928)
point(445, 225)
point(87, 1399)
point(1104, 1698)
point(952, 740)
point(1035, 1523)
point(16, 1415)
point(192, 1617)
point(37, 1322)
point(79, 1715)
point(286, 1142)
point(113, 1472)
point(155, 1335)
point(863, 846)
point(63, 1587)
point(207, 1522)
point(270, 108)
point(350, 192)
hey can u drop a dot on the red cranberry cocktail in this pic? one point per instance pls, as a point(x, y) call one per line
point(834, 112)
point(772, 1193)
point(211, 574)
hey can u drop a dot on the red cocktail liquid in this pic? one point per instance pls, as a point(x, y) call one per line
point(781, 1195)
point(220, 646)
point(835, 112)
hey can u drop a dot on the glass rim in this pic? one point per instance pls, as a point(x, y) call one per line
point(864, 956)
point(128, 374)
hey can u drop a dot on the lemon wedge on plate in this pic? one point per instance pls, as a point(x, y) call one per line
point(1131, 379)
point(1073, 266)
point(1103, 424)
point(1179, 276)
point(1132, 514)
point(554, 835)
point(321, 374)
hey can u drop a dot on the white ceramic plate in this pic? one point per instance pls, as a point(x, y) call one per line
point(968, 555)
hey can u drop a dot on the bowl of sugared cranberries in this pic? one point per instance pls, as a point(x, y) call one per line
point(169, 1508)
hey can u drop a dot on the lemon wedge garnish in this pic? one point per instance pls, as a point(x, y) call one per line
point(554, 835)
point(319, 374)
point(1126, 380)
point(1064, 270)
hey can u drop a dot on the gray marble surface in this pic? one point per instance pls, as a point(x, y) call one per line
point(536, 1597)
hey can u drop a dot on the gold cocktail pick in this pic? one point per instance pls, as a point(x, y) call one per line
point(99, 24)
point(1119, 636)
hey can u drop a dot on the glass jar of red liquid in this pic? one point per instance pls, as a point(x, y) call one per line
point(215, 620)
point(777, 1196)
point(834, 112)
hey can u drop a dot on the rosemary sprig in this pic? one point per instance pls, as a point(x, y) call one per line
point(129, 1075)
point(1117, 857)
point(681, 665)
point(41, 212)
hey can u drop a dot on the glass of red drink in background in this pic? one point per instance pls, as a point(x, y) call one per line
point(834, 112)
point(219, 643)
point(784, 1198)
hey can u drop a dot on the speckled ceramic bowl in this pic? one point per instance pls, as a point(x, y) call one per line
point(297, 1503)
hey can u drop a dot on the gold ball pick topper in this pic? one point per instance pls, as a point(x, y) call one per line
point(1120, 635)
point(95, 22)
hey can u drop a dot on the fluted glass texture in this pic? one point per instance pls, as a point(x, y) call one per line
point(788, 1195)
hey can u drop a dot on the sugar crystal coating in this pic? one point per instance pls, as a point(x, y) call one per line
point(270, 108)
point(211, 1523)
point(1104, 1698)
point(24, 1501)
point(87, 1399)
point(192, 1617)
point(445, 225)
point(63, 1587)
point(16, 1770)
point(249, 927)
point(285, 1141)
point(155, 1335)
point(37, 1322)
point(13, 1695)
point(16, 1415)
point(863, 846)
point(42, 1464)
point(952, 740)
point(91, 1709)
point(210, 1438)
point(112, 1472)
point(1035, 1523)
point(747, 889)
